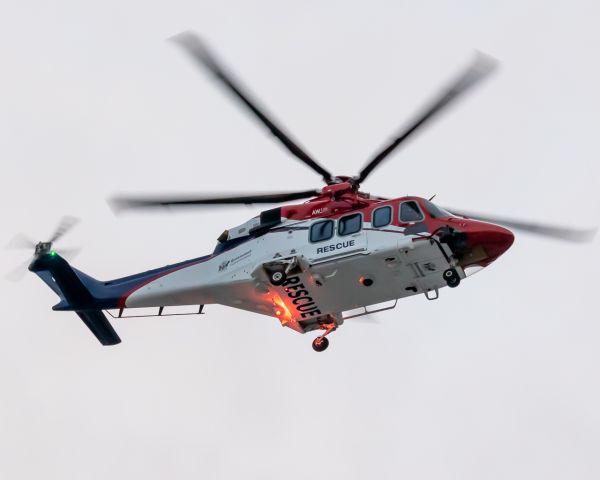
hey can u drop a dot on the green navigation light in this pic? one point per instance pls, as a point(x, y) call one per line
point(52, 253)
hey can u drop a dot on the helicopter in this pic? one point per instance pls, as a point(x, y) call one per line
point(341, 253)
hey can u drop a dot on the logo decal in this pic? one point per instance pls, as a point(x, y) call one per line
point(241, 257)
point(224, 266)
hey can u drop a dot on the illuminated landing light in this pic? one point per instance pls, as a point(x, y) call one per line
point(281, 310)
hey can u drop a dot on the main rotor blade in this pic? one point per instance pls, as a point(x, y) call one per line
point(66, 224)
point(551, 231)
point(200, 52)
point(122, 203)
point(481, 66)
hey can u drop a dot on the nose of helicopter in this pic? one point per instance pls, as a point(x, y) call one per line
point(494, 239)
point(481, 243)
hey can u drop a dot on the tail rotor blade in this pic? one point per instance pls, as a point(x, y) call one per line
point(18, 272)
point(20, 241)
point(66, 224)
point(69, 253)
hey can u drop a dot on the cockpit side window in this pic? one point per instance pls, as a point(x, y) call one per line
point(435, 211)
point(321, 231)
point(410, 212)
point(382, 216)
point(349, 224)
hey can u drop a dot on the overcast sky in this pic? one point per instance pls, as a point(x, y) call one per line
point(497, 379)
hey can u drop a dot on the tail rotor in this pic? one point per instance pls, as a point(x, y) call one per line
point(22, 241)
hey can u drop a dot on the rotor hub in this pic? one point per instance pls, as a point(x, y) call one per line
point(42, 248)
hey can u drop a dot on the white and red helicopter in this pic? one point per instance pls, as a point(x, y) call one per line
point(342, 253)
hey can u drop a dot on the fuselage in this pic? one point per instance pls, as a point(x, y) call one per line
point(329, 247)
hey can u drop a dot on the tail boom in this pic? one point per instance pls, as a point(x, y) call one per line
point(88, 297)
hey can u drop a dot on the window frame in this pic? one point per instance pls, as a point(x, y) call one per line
point(410, 221)
point(325, 220)
point(429, 206)
point(360, 216)
point(381, 208)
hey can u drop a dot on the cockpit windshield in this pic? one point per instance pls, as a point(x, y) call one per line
point(435, 211)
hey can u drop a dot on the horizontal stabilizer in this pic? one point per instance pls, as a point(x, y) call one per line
point(99, 326)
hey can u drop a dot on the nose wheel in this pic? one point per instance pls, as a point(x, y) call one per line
point(320, 344)
point(452, 278)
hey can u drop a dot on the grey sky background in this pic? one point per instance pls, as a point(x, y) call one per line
point(497, 379)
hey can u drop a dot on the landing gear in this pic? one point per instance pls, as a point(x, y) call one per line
point(277, 275)
point(320, 344)
point(278, 271)
point(452, 278)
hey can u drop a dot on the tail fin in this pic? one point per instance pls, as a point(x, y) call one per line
point(74, 295)
point(98, 324)
point(88, 297)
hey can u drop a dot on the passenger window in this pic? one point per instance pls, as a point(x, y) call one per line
point(321, 231)
point(410, 212)
point(382, 216)
point(350, 224)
